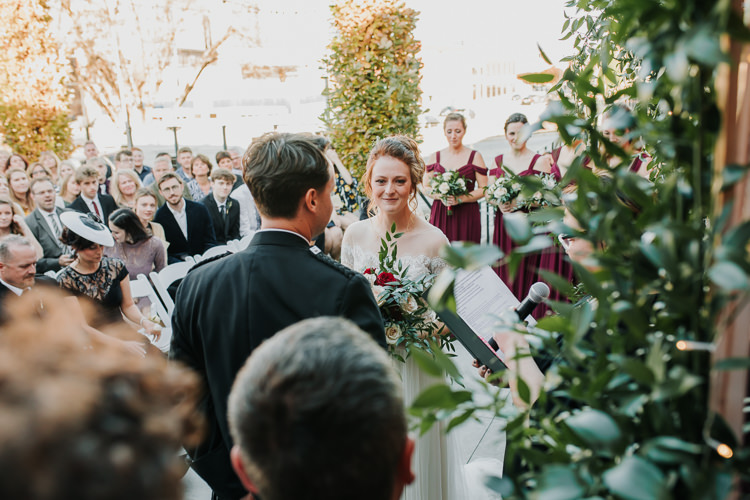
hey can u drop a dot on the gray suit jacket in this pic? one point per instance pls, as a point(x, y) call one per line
point(51, 246)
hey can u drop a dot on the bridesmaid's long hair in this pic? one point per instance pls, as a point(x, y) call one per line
point(402, 148)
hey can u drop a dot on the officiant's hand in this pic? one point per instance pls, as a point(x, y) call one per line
point(486, 373)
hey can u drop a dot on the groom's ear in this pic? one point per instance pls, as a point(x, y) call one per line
point(404, 472)
point(239, 467)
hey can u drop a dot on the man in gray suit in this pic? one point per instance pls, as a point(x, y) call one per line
point(45, 224)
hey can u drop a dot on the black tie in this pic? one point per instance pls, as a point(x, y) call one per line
point(222, 212)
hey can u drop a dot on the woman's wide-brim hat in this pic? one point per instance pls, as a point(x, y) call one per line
point(88, 226)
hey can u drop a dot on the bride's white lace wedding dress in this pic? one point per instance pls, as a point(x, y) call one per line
point(437, 462)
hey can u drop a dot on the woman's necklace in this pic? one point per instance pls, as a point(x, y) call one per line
point(76, 265)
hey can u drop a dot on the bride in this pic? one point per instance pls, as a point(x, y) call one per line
point(394, 170)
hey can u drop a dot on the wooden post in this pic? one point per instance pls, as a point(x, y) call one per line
point(730, 388)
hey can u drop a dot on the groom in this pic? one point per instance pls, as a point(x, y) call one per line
point(227, 307)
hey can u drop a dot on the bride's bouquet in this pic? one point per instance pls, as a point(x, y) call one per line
point(450, 183)
point(409, 321)
point(504, 190)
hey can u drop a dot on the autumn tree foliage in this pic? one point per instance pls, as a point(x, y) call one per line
point(33, 95)
point(373, 76)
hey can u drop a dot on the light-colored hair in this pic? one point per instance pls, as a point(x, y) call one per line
point(114, 187)
point(8, 242)
point(27, 202)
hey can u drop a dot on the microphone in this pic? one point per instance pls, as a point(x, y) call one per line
point(537, 293)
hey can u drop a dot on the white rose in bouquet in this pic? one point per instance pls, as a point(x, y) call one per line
point(502, 192)
point(461, 183)
point(446, 176)
point(392, 333)
point(537, 197)
point(549, 182)
point(515, 186)
point(444, 188)
point(409, 305)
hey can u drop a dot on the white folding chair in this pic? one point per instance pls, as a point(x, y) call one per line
point(52, 274)
point(141, 288)
point(214, 251)
point(166, 277)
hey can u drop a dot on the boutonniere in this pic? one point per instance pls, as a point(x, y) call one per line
point(229, 205)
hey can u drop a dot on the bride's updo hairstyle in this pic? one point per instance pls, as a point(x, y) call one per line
point(404, 149)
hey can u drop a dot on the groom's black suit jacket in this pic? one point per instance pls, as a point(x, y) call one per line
point(229, 306)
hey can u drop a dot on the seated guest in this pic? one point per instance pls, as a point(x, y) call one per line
point(224, 211)
point(100, 279)
point(140, 169)
point(87, 424)
point(145, 209)
point(224, 160)
point(200, 185)
point(69, 189)
point(232, 161)
point(101, 164)
point(162, 165)
point(330, 386)
point(141, 252)
point(91, 200)
point(123, 186)
point(18, 259)
point(18, 189)
point(44, 223)
point(124, 160)
point(185, 161)
point(187, 225)
point(12, 222)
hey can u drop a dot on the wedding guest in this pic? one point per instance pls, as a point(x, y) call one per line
point(145, 209)
point(103, 172)
point(187, 224)
point(185, 161)
point(236, 155)
point(16, 160)
point(123, 186)
point(69, 189)
point(162, 166)
point(224, 160)
point(91, 200)
point(13, 222)
point(140, 169)
point(66, 168)
point(4, 157)
point(124, 159)
point(200, 185)
point(464, 223)
point(277, 281)
point(224, 211)
point(52, 163)
point(36, 171)
point(90, 150)
point(141, 252)
point(249, 215)
point(87, 424)
point(344, 407)
point(97, 278)
point(44, 222)
point(18, 183)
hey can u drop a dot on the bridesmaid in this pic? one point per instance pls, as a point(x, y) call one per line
point(465, 223)
point(521, 161)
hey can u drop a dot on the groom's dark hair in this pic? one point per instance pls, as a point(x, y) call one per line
point(279, 169)
point(317, 413)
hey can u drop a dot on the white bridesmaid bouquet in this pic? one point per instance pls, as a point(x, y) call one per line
point(409, 321)
point(504, 190)
point(450, 183)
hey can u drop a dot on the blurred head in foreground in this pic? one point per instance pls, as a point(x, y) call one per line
point(83, 423)
point(317, 413)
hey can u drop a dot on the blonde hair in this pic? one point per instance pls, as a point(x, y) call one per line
point(114, 187)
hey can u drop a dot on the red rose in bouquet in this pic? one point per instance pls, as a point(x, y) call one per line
point(386, 278)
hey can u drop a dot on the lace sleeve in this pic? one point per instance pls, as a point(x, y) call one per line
point(347, 256)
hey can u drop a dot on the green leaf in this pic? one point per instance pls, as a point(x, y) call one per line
point(441, 292)
point(427, 363)
point(437, 396)
point(517, 226)
point(636, 479)
point(729, 276)
point(501, 485)
point(523, 390)
point(595, 427)
point(559, 482)
point(456, 421)
point(537, 77)
point(445, 363)
point(732, 364)
point(544, 56)
point(670, 450)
